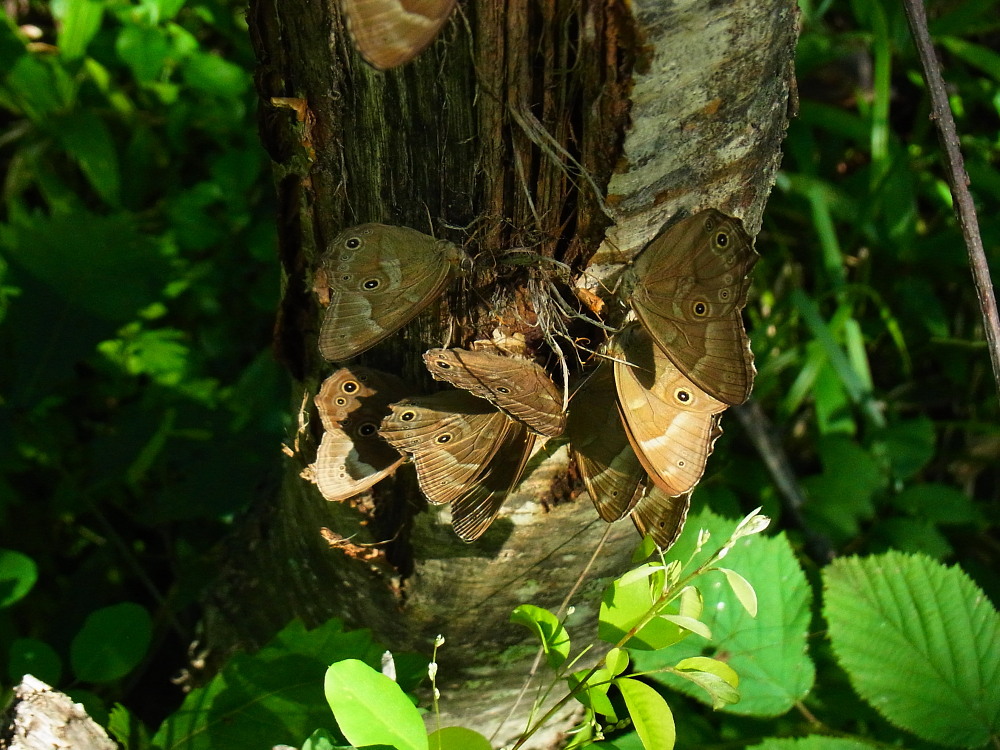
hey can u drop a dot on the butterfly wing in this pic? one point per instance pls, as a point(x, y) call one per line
point(661, 516)
point(351, 456)
point(473, 512)
point(518, 387)
point(377, 279)
point(389, 33)
point(690, 285)
point(452, 436)
point(670, 422)
point(600, 447)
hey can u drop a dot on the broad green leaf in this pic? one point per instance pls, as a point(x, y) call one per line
point(34, 657)
point(767, 652)
point(713, 666)
point(842, 496)
point(127, 729)
point(111, 643)
point(907, 629)
point(623, 606)
point(905, 446)
point(145, 49)
point(18, 574)
point(371, 709)
point(653, 720)
point(272, 697)
point(551, 633)
point(214, 75)
point(457, 738)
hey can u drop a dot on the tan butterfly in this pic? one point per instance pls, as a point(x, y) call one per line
point(661, 516)
point(518, 387)
point(351, 456)
point(687, 287)
point(389, 33)
point(465, 452)
point(671, 423)
point(377, 278)
point(610, 469)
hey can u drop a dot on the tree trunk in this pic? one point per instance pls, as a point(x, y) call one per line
point(573, 128)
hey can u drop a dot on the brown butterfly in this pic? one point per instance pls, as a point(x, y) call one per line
point(389, 33)
point(671, 423)
point(465, 452)
point(351, 456)
point(661, 516)
point(377, 278)
point(610, 469)
point(518, 387)
point(687, 287)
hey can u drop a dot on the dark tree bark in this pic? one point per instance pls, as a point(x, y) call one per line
point(573, 128)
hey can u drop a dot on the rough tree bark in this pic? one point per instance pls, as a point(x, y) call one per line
point(574, 128)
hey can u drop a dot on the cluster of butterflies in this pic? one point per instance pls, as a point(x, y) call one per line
point(641, 425)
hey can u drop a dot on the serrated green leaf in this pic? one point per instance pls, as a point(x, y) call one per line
point(553, 636)
point(457, 738)
point(111, 643)
point(18, 574)
point(742, 589)
point(813, 742)
point(652, 717)
point(769, 651)
point(905, 627)
point(371, 709)
point(936, 502)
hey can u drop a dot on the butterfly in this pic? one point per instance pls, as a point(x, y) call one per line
point(377, 278)
point(687, 288)
point(465, 451)
point(351, 456)
point(389, 33)
point(518, 387)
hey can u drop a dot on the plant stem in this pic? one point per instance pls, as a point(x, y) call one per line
point(958, 180)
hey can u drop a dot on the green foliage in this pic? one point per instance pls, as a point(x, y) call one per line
point(137, 292)
point(905, 627)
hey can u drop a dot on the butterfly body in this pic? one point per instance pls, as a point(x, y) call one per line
point(687, 288)
point(518, 387)
point(377, 278)
point(351, 456)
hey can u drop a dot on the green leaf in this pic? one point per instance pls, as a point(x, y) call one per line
point(813, 742)
point(616, 660)
point(34, 657)
point(689, 624)
point(551, 633)
point(371, 709)
point(79, 20)
point(653, 720)
point(905, 628)
point(214, 75)
point(719, 680)
point(627, 601)
point(742, 589)
point(18, 574)
point(321, 739)
point(594, 692)
point(936, 502)
point(88, 142)
point(111, 643)
point(270, 697)
point(905, 446)
point(769, 651)
point(457, 738)
point(127, 729)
